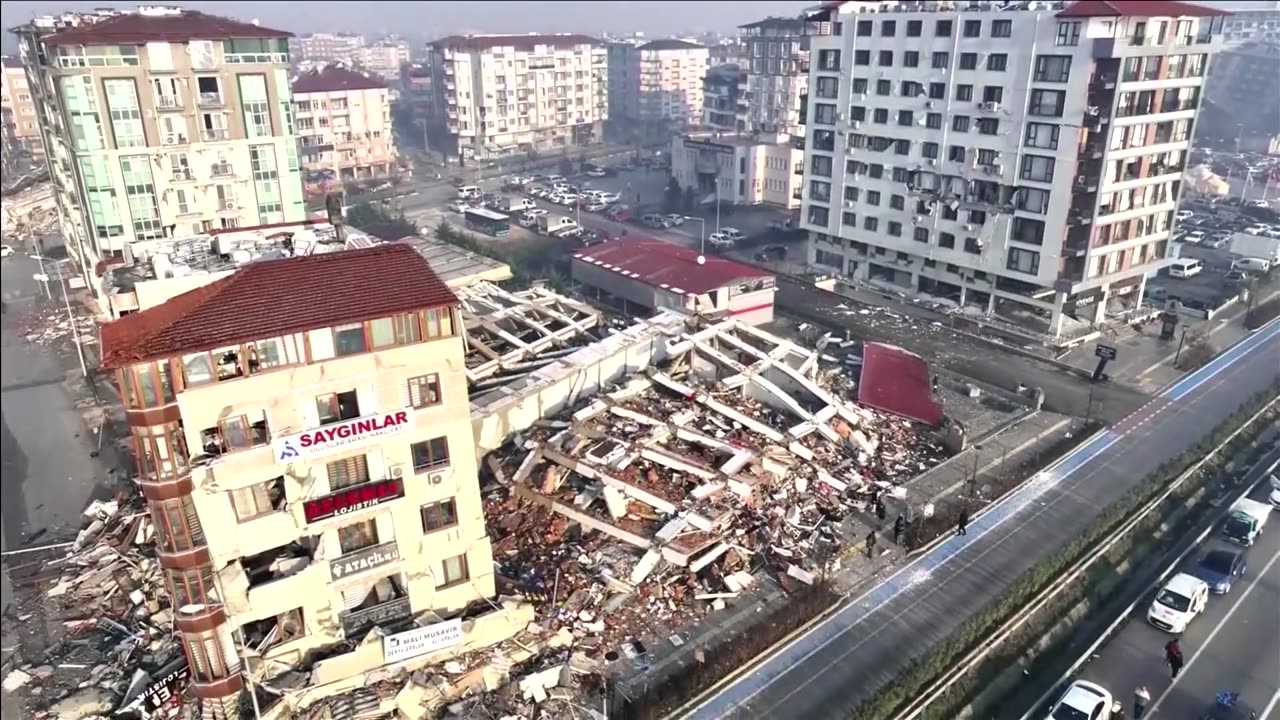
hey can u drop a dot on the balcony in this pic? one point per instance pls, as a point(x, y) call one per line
point(220, 170)
point(182, 175)
point(214, 134)
point(210, 99)
point(173, 139)
point(168, 102)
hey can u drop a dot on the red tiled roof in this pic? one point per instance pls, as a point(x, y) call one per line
point(897, 381)
point(519, 42)
point(136, 29)
point(1137, 8)
point(335, 78)
point(269, 298)
point(661, 263)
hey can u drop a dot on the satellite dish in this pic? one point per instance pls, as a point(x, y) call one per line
point(702, 260)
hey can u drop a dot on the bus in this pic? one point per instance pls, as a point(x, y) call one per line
point(487, 222)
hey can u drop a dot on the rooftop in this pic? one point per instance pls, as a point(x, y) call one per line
point(784, 23)
point(897, 381)
point(270, 298)
point(335, 78)
point(458, 267)
point(144, 25)
point(525, 43)
point(671, 45)
point(1138, 8)
point(667, 266)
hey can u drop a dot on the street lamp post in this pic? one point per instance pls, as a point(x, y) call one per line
point(71, 318)
point(702, 245)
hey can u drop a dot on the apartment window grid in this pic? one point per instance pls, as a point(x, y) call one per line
point(256, 105)
point(81, 104)
point(140, 190)
point(126, 116)
point(266, 183)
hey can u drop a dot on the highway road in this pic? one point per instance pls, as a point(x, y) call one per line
point(847, 657)
point(1233, 646)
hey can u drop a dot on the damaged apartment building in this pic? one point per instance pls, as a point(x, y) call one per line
point(302, 439)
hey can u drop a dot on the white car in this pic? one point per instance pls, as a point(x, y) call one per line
point(595, 206)
point(597, 172)
point(608, 197)
point(6, 250)
point(675, 219)
point(567, 199)
point(1184, 215)
point(1178, 602)
point(733, 234)
point(459, 206)
point(1083, 701)
point(530, 217)
point(720, 241)
point(1195, 237)
point(1275, 498)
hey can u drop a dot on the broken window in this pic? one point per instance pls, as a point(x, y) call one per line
point(212, 654)
point(236, 433)
point(228, 363)
point(430, 454)
point(160, 451)
point(380, 591)
point(257, 500)
point(266, 633)
point(424, 391)
point(177, 526)
point(453, 571)
point(358, 535)
point(336, 407)
point(272, 353)
point(347, 472)
point(147, 385)
point(279, 562)
point(439, 515)
point(193, 588)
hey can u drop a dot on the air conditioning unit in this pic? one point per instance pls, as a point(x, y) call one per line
point(928, 104)
point(435, 478)
point(933, 161)
point(849, 203)
point(969, 227)
point(228, 206)
point(856, 124)
point(991, 106)
point(397, 472)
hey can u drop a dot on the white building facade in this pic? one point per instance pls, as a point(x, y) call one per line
point(1020, 159)
point(669, 74)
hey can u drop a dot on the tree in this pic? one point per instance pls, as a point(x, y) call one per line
point(674, 196)
point(1197, 351)
point(689, 199)
point(444, 232)
point(582, 162)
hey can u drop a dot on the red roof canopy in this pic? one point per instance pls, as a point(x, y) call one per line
point(897, 381)
point(335, 78)
point(270, 298)
point(660, 264)
point(137, 29)
point(1137, 8)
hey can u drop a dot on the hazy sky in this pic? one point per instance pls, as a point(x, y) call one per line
point(434, 19)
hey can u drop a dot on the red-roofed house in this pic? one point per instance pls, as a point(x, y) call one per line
point(303, 439)
point(644, 273)
point(343, 118)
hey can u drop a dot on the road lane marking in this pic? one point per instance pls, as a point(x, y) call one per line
point(1266, 712)
point(1221, 624)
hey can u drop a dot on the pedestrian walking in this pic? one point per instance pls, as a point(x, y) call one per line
point(871, 543)
point(1173, 656)
point(881, 510)
point(1140, 699)
point(962, 525)
point(899, 528)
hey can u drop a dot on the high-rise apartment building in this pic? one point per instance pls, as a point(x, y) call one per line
point(304, 444)
point(21, 130)
point(502, 94)
point(343, 119)
point(1024, 158)
point(162, 122)
point(383, 59)
point(776, 58)
point(669, 74)
point(325, 47)
point(724, 99)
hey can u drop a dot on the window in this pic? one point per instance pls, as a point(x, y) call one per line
point(1042, 135)
point(1053, 68)
point(880, 116)
point(235, 433)
point(1037, 168)
point(347, 472)
point(988, 126)
point(1023, 261)
point(1068, 34)
point(888, 28)
point(357, 536)
point(349, 340)
point(960, 123)
point(937, 91)
point(177, 524)
point(424, 391)
point(886, 58)
point(820, 166)
point(256, 105)
point(973, 246)
point(430, 454)
point(864, 28)
point(850, 192)
point(964, 93)
point(860, 86)
point(911, 58)
point(1034, 200)
point(438, 322)
point(336, 407)
point(997, 62)
point(257, 500)
point(824, 114)
point(895, 229)
point(439, 515)
point(849, 218)
point(884, 87)
point(920, 235)
point(827, 59)
point(946, 240)
point(897, 202)
point(828, 88)
point(857, 113)
point(862, 57)
point(941, 60)
point(955, 153)
point(914, 28)
point(972, 28)
point(1001, 28)
point(1028, 231)
point(393, 331)
point(905, 117)
point(992, 94)
point(453, 571)
point(873, 197)
point(942, 28)
point(1047, 103)
point(819, 215)
point(930, 150)
point(968, 61)
point(871, 224)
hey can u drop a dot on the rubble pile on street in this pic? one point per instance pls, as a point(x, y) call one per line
point(52, 325)
point(105, 600)
point(673, 494)
point(30, 212)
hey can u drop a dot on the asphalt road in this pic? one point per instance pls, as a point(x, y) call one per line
point(847, 657)
point(1233, 645)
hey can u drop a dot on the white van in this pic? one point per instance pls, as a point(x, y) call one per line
point(1185, 268)
point(469, 192)
point(1252, 265)
point(1178, 602)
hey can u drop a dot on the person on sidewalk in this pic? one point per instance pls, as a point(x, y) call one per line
point(962, 525)
point(871, 543)
point(1140, 699)
point(899, 529)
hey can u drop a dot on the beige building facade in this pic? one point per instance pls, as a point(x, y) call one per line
point(21, 129)
point(308, 460)
point(669, 76)
point(162, 122)
point(343, 120)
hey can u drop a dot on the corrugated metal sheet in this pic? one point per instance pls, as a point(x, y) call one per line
point(897, 381)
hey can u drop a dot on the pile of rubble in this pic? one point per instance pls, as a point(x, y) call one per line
point(29, 213)
point(102, 605)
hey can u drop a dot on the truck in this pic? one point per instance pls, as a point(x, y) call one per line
point(555, 225)
point(514, 206)
point(1247, 245)
point(1245, 521)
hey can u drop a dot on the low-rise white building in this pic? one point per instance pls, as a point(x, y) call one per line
point(739, 169)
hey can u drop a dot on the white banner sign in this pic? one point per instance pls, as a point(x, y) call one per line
point(343, 435)
point(420, 641)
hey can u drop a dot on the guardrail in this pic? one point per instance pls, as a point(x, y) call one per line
point(976, 656)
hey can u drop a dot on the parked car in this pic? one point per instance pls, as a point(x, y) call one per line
point(530, 217)
point(593, 237)
point(1219, 569)
point(459, 206)
point(1083, 701)
point(596, 172)
point(619, 213)
point(1178, 603)
point(5, 250)
point(771, 253)
point(720, 241)
point(608, 197)
point(595, 206)
point(553, 179)
point(568, 199)
point(1184, 215)
point(655, 220)
point(674, 219)
point(1195, 237)
point(733, 234)
point(1185, 268)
